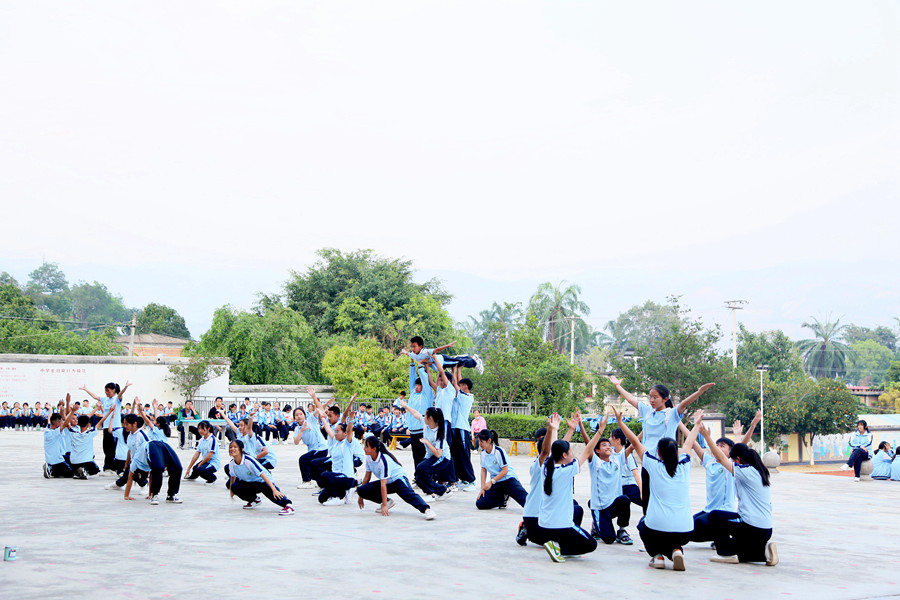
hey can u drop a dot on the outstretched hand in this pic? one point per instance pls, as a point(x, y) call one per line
point(614, 380)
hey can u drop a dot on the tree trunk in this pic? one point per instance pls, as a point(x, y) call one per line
point(812, 455)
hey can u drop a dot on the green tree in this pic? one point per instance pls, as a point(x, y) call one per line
point(93, 303)
point(868, 362)
point(363, 295)
point(275, 347)
point(553, 307)
point(190, 377)
point(161, 319)
point(829, 408)
point(7, 279)
point(685, 356)
point(889, 401)
point(881, 334)
point(48, 287)
point(365, 369)
point(771, 348)
point(825, 356)
point(893, 372)
point(643, 325)
point(25, 329)
point(508, 315)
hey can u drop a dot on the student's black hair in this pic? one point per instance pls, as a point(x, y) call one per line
point(668, 454)
point(205, 425)
point(466, 381)
point(342, 426)
point(112, 386)
point(557, 450)
point(55, 418)
point(864, 424)
point(220, 398)
point(417, 339)
point(232, 405)
point(600, 441)
point(83, 420)
point(133, 419)
point(402, 393)
point(728, 442)
point(240, 445)
point(286, 407)
point(376, 444)
point(882, 446)
point(438, 416)
point(488, 436)
point(334, 409)
point(749, 456)
point(246, 421)
point(26, 404)
point(357, 433)
point(663, 392)
point(620, 435)
point(418, 381)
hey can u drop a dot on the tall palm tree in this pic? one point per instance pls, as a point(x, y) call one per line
point(824, 356)
point(552, 306)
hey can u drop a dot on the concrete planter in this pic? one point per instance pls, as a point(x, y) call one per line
point(771, 459)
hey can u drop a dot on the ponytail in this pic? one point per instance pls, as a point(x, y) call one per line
point(668, 454)
point(377, 445)
point(557, 451)
point(438, 416)
point(486, 435)
point(749, 456)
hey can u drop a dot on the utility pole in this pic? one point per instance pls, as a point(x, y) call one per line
point(734, 305)
point(133, 327)
point(761, 369)
point(571, 340)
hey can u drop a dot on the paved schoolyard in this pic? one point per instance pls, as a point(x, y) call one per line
point(836, 539)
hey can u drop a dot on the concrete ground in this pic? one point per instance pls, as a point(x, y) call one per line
point(836, 539)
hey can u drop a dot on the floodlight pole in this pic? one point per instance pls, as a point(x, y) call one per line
point(734, 305)
point(761, 369)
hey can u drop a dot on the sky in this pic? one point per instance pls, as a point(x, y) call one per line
point(194, 153)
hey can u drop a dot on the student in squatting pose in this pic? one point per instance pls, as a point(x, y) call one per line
point(719, 480)
point(392, 480)
point(437, 465)
point(145, 454)
point(338, 483)
point(660, 419)
point(55, 464)
point(112, 399)
point(667, 526)
point(631, 475)
point(82, 456)
point(208, 455)
point(253, 444)
point(529, 529)
point(248, 478)
point(881, 468)
point(308, 432)
point(861, 444)
point(498, 479)
point(744, 536)
point(564, 537)
point(607, 499)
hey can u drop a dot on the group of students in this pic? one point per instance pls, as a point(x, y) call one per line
point(885, 460)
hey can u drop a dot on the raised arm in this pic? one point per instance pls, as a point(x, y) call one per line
point(625, 394)
point(696, 445)
point(589, 448)
point(716, 451)
point(315, 399)
point(122, 391)
point(573, 426)
point(693, 397)
point(692, 436)
point(444, 347)
point(455, 380)
point(416, 414)
point(347, 410)
point(549, 438)
point(431, 382)
point(638, 446)
point(230, 423)
point(89, 392)
point(756, 419)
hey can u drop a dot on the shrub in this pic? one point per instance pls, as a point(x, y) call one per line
point(513, 426)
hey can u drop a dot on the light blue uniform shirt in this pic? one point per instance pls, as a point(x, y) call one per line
point(53, 446)
point(754, 498)
point(461, 408)
point(249, 470)
point(895, 468)
point(82, 446)
point(207, 445)
point(384, 467)
point(342, 458)
point(657, 424)
point(357, 450)
point(156, 434)
point(532, 506)
point(719, 485)
point(312, 437)
point(117, 414)
point(442, 445)
point(606, 481)
point(669, 508)
point(443, 399)
point(493, 463)
point(626, 465)
point(557, 508)
point(121, 445)
point(137, 446)
point(863, 441)
point(418, 401)
point(254, 444)
point(881, 464)
point(66, 441)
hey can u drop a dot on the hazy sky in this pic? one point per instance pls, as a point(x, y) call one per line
point(191, 153)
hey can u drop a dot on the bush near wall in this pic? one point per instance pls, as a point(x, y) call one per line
point(513, 426)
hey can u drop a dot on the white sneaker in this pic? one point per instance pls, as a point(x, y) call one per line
point(305, 485)
point(108, 473)
point(856, 479)
point(154, 500)
point(173, 500)
point(429, 514)
point(286, 511)
point(390, 506)
point(771, 554)
point(469, 487)
point(678, 560)
point(444, 496)
point(845, 467)
point(111, 486)
point(350, 495)
point(479, 364)
point(333, 502)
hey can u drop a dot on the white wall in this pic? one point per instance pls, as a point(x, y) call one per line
point(42, 378)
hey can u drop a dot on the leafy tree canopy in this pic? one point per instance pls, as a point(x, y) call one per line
point(771, 348)
point(868, 363)
point(643, 325)
point(366, 369)
point(162, 319)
